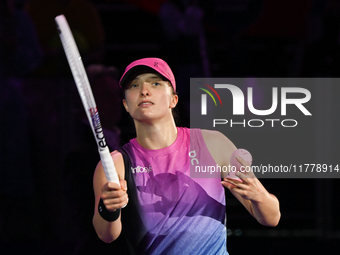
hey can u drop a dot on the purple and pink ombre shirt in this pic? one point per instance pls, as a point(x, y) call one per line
point(169, 212)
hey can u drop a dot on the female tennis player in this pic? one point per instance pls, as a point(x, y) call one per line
point(164, 210)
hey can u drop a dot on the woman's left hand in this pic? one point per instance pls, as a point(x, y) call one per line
point(249, 187)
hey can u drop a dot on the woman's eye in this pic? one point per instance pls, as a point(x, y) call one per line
point(156, 83)
point(133, 86)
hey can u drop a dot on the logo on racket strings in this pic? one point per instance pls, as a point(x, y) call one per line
point(97, 127)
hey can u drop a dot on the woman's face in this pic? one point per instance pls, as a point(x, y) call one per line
point(148, 97)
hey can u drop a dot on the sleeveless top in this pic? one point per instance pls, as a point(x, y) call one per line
point(168, 211)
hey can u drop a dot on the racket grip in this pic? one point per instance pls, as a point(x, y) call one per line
point(108, 165)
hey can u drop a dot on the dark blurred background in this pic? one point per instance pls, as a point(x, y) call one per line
point(48, 154)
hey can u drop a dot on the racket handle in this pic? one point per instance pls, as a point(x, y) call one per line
point(108, 165)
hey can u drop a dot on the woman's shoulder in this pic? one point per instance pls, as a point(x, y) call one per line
point(219, 146)
point(212, 133)
point(216, 138)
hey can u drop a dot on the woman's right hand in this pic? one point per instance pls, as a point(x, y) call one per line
point(114, 197)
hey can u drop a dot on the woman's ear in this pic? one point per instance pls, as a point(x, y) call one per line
point(125, 105)
point(174, 101)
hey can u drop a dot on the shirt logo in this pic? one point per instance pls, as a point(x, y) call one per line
point(193, 159)
point(141, 169)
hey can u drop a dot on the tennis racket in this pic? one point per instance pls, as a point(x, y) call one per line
point(86, 95)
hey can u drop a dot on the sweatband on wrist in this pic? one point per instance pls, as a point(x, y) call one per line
point(106, 214)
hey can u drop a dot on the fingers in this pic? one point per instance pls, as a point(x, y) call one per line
point(249, 188)
point(114, 186)
point(115, 199)
point(114, 195)
point(245, 171)
point(226, 184)
point(231, 183)
point(237, 178)
point(111, 186)
point(123, 184)
point(242, 161)
point(236, 186)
